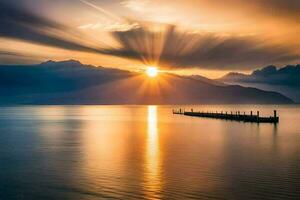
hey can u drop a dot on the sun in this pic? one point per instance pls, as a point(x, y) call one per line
point(152, 71)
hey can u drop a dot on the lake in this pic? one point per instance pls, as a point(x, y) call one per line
point(146, 152)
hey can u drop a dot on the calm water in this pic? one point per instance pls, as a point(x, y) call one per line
point(145, 152)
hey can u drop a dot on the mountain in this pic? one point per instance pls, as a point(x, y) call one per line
point(207, 80)
point(70, 82)
point(284, 80)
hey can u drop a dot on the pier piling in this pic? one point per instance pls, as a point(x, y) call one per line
point(236, 117)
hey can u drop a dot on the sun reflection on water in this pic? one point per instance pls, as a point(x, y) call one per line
point(152, 160)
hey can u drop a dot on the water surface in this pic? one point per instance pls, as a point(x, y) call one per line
point(145, 152)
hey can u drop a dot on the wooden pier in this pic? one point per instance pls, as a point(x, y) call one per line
point(237, 116)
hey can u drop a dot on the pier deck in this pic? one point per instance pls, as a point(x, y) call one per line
point(237, 116)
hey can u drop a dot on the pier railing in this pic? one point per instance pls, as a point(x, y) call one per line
point(237, 116)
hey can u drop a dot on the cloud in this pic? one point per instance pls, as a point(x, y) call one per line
point(287, 8)
point(173, 49)
point(139, 6)
point(276, 8)
point(109, 26)
point(152, 43)
point(100, 9)
point(108, 21)
point(19, 24)
point(9, 53)
point(10, 57)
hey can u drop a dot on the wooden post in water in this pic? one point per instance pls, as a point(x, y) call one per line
point(235, 115)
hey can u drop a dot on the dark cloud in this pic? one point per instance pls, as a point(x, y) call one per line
point(177, 49)
point(283, 8)
point(20, 24)
point(9, 53)
point(10, 57)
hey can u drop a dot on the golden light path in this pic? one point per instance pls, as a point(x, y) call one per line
point(153, 182)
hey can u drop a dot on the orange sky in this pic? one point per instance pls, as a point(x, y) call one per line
point(210, 37)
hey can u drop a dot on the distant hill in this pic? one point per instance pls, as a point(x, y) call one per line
point(285, 80)
point(70, 82)
point(207, 80)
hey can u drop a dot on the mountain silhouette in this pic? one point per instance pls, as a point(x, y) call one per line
point(284, 80)
point(70, 82)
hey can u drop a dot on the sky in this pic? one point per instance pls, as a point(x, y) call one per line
point(207, 37)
